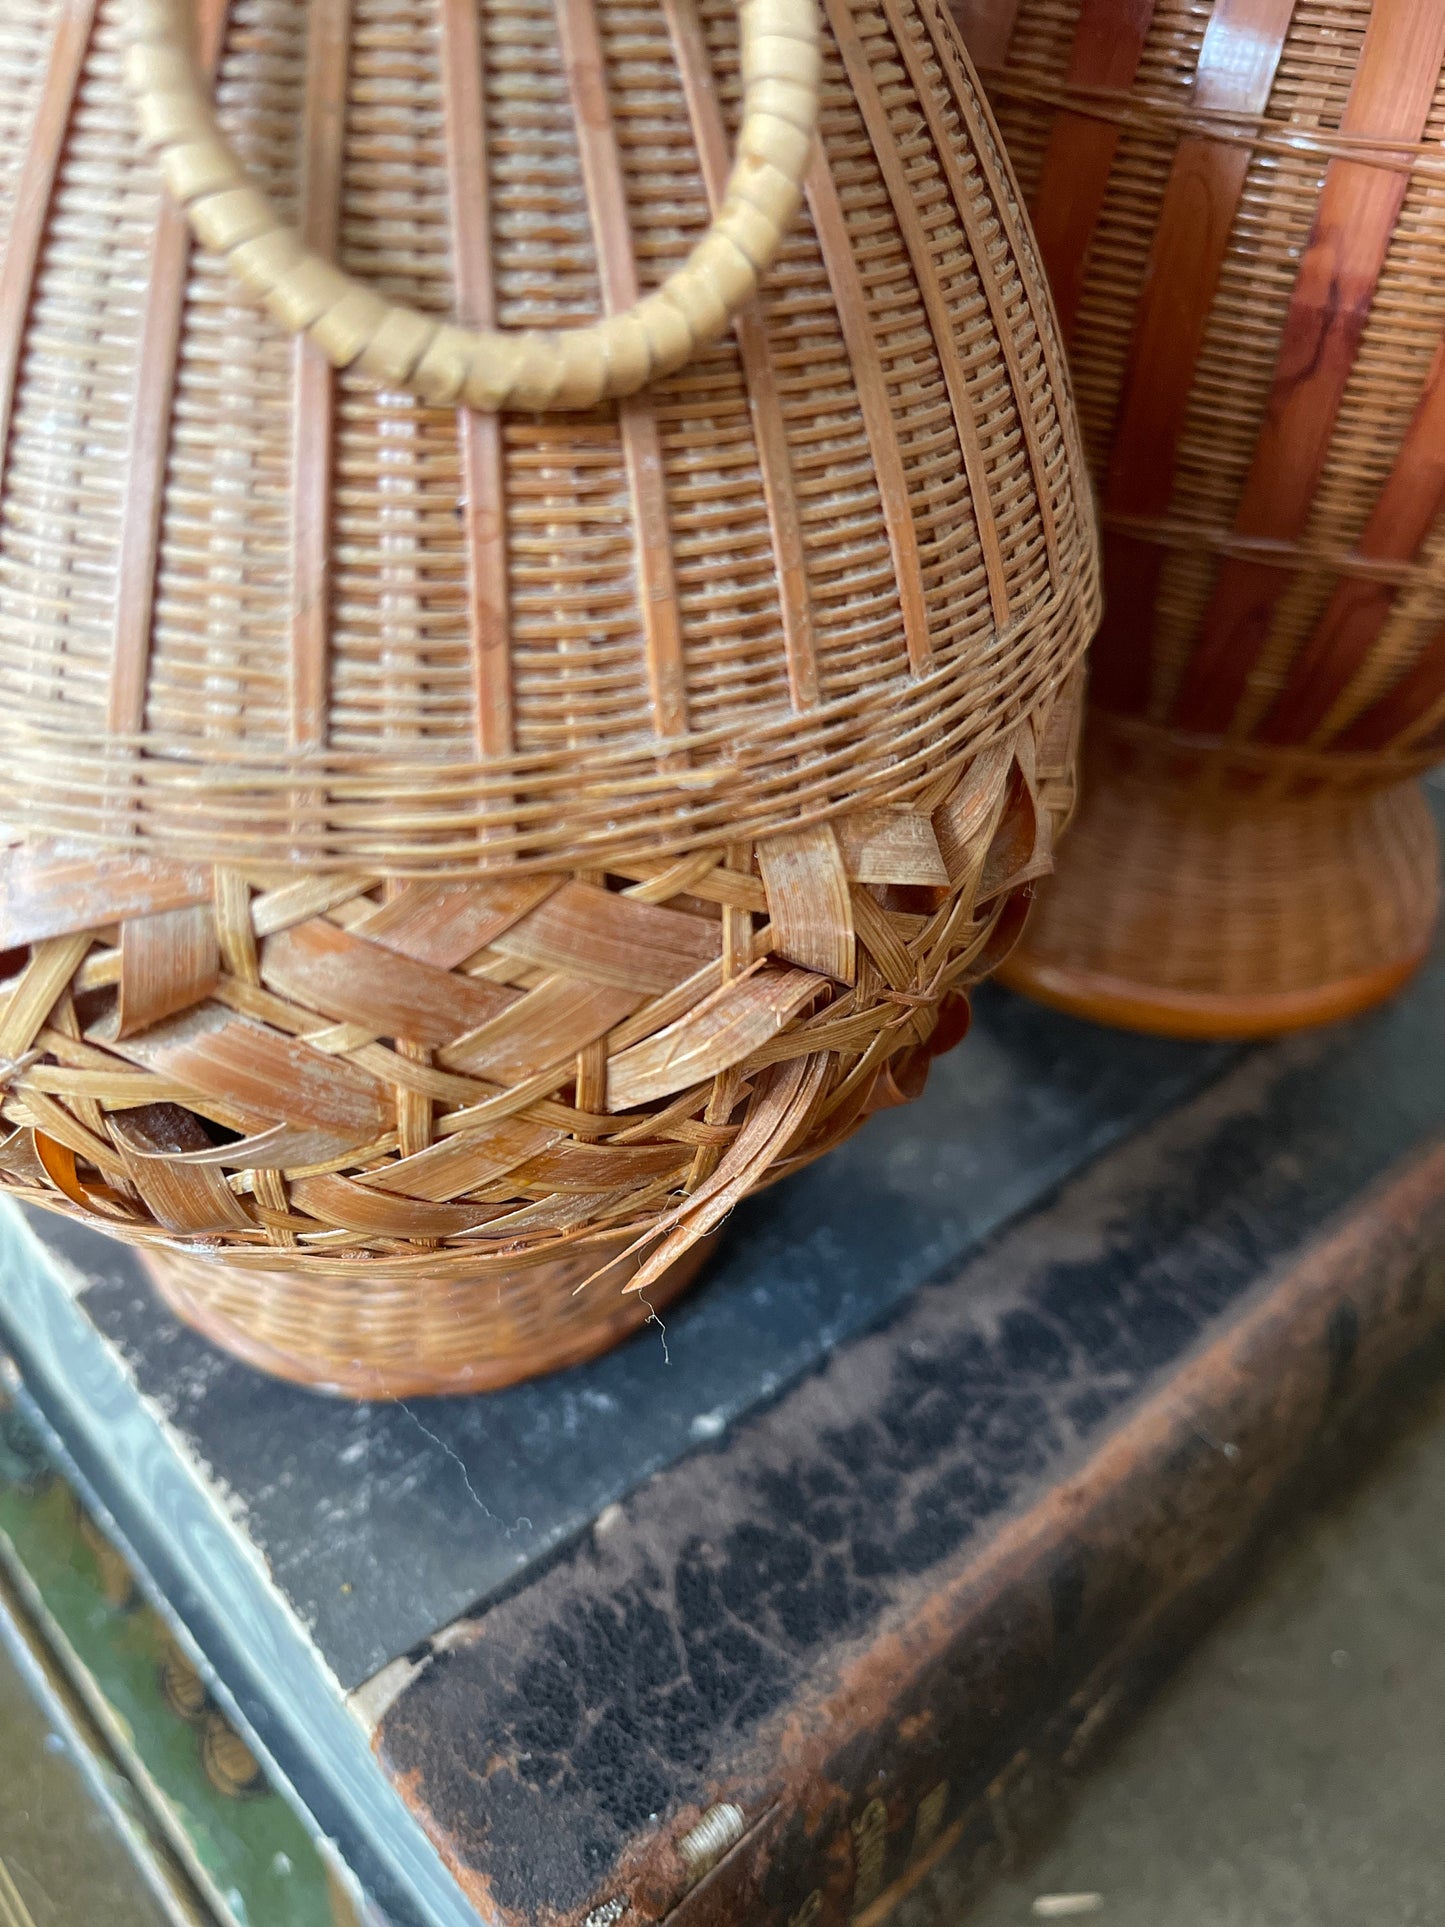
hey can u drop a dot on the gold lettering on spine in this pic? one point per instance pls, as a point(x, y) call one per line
point(928, 1821)
point(870, 1844)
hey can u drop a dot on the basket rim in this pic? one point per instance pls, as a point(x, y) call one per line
point(446, 819)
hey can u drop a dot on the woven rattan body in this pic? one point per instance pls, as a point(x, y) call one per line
point(453, 847)
point(1242, 211)
point(255, 609)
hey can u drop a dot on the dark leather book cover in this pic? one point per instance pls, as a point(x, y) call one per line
point(880, 1622)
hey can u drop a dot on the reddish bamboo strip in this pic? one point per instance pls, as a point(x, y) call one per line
point(876, 408)
point(194, 1200)
point(357, 982)
point(261, 1074)
point(169, 961)
point(33, 192)
point(1237, 63)
point(313, 439)
point(1403, 516)
point(991, 26)
point(999, 17)
point(46, 892)
point(953, 172)
point(770, 430)
point(1108, 42)
point(715, 1035)
point(1406, 716)
point(313, 450)
point(1390, 97)
point(465, 1161)
point(809, 902)
point(546, 1028)
point(613, 939)
point(445, 924)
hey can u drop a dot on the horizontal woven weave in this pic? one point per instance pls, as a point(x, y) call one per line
point(256, 611)
point(428, 1095)
point(1198, 905)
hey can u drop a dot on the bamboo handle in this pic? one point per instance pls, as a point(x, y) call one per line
point(489, 369)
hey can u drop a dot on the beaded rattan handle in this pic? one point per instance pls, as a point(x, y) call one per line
point(485, 368)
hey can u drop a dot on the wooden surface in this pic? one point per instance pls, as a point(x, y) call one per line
point(928, 1564)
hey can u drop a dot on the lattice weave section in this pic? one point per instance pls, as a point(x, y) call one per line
point(389, 1090)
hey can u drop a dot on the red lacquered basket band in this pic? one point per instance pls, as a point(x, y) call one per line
point(1240, 214)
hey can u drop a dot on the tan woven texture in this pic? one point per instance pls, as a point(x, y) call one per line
point(400, 345)
point(252, 609)
point(379, 1097)
point(441, 1332)
point(1241, 207)
point(460, 854)
point(1195, 905)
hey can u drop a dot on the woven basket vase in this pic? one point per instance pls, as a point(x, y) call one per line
point(1242, 211)
point(513, 733)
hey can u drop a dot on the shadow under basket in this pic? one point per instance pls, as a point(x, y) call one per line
point(413, 1329)
point(1196, 900)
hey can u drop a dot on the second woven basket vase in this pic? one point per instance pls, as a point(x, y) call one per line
point(534, 735)
point(1242, 212)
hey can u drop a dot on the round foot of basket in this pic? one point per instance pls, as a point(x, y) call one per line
point(1190, 908)
point(377, 1331)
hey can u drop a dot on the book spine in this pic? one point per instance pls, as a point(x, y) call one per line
point(955, 1736)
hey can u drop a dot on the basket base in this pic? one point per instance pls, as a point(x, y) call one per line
point(1189, 907)
point(379, 1332)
